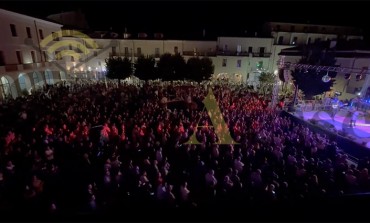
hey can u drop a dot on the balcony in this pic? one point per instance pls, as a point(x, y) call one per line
point(41, 64)
point(28, 66)
point(261, 55)
point(243, 54)
point(232, 53)
point(119, 54)
point(200, 54)
point(24, 67)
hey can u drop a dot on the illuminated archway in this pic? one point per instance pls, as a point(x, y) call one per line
point(63, 76)
point(38, 80)
point(49, 77)
point(24, 83)
point(7, 87)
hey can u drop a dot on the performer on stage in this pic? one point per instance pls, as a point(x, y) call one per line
point(354, 118)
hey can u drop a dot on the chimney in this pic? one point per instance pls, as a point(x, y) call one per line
point(142, 35)
point(204, 33)
point(126, 35)
point(158, 35)
point(255, 34)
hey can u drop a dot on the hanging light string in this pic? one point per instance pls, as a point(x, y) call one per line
point(289, 65)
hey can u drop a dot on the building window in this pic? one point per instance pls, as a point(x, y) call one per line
point(13, 30)
point(49, 77)
point(239, 63)
point(176, 50)
point(2, 59)
point(45, 55)
point(126, 52)
point(225, 47)
point(72, 59)
point(28, 30)
point(70, 47)
point(138, 51)
point(250, 49)
point(239, 48)
point(280, 40)
point(294, 41)
point(95, 53)
point(224, 62)
point(22, 82)
point(309, 40)
point(5, 87)
point(36, 79)
point(262, 51)
point(33, 56)
point(19, 57)
point(41, 34)
point(156, 53)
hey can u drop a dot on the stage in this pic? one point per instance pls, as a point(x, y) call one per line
point(340, 122)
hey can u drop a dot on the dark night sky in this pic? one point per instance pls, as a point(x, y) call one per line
point(186, 19)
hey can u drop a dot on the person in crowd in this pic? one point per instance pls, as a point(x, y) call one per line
point(129, 143)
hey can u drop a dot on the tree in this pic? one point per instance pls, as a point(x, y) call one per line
point(207, 68)
point(145, 68)
point(171, 67)
point(267, 81)
point(310, 80)
point(118, 68)
point(194, 69)
point(199, 69)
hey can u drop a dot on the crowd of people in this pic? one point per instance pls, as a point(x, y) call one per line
point(93, 148)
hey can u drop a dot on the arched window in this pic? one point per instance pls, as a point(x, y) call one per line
point(5, 87)
point(49, 77)
point(22, 82)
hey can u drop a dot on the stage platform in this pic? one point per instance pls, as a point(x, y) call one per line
point(341, 122)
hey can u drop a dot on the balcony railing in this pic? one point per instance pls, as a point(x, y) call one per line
point(261, 54)
point(119, 54)
point(28, 66)
point(200, 54)
point(233, 53)
point(244, 54)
